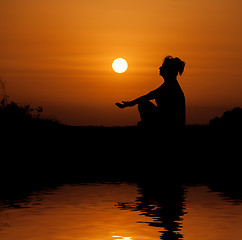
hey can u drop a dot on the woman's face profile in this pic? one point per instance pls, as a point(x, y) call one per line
point(162, 70)
point(167, 72)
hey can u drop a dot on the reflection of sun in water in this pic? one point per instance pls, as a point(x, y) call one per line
point(121, 238)
point(119, 65)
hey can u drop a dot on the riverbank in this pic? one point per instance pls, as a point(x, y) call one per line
point(36, 158)
point(118, 152)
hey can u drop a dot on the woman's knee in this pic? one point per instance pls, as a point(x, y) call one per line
point(144, 105)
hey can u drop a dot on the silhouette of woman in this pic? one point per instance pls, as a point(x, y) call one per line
point(170, 111)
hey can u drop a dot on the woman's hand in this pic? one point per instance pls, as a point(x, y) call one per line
point(124, 104)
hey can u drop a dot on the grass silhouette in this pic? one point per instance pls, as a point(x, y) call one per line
point(13, 114)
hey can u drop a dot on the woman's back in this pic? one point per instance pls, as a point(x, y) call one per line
point(171, 104)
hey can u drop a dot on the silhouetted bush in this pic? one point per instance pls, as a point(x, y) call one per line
point(14, 114)
point(230, 119)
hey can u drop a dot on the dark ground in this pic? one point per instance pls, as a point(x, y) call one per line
point(47, 156)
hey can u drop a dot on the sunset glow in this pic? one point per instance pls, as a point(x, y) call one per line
point(58, 55)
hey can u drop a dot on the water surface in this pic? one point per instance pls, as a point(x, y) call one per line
point(121, 211)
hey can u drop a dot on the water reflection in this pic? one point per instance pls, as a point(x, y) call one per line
point(165, 204)
point(122, 238)
point(150, 210)
point(75, 212)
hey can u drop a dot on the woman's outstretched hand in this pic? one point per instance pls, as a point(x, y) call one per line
point(124, 104)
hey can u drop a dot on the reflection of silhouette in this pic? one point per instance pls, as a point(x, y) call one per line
point(170, 109)
point(165, 204)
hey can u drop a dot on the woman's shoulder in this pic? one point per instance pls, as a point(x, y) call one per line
point(159, 89)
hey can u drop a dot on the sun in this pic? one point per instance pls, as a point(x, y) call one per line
point(119, 65)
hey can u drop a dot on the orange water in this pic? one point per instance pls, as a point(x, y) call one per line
point(120, 212)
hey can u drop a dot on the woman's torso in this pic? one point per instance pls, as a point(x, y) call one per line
point(171, 103)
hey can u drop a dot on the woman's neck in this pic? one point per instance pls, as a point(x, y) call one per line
point(170, 79)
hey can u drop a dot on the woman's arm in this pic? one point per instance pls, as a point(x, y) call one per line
point(151, 95)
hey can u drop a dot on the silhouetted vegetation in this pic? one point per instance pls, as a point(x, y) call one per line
point(230, 119)
point(33, 156)
point(13, 114)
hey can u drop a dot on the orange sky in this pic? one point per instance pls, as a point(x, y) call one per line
point(58, 54)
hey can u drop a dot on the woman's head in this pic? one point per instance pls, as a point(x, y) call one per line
point(171, 67)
